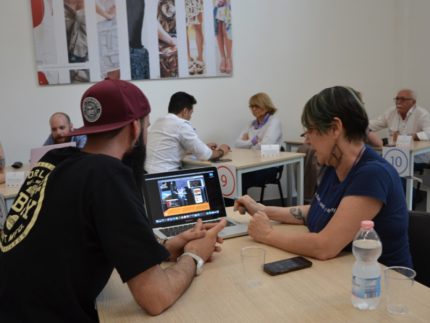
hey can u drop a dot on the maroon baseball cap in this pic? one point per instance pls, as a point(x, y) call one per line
point(109, 105)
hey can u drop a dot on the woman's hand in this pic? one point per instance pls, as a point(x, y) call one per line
point(247, 204)
point(259, 227)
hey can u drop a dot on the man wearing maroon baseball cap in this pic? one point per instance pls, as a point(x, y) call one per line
point(110, 105)
point(79, 215)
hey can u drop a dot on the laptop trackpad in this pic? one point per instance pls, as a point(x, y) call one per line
point(234, 231)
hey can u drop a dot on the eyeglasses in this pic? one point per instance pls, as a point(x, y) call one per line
point(401, 99)
point(308, 131)
point(253, 106)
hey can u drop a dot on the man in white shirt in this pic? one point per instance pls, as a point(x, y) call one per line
point(173, 136)
point(406, 118)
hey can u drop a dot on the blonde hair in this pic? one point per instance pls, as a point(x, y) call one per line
point(262, 100)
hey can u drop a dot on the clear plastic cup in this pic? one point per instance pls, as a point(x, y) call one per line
point(252, 263)
point(398, 288)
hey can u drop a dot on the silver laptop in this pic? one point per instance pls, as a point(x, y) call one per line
point(37, 153)
point(175, 200)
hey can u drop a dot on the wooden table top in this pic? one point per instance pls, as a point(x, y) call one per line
point(321, 293)
point(246, 158)
point(11, 192)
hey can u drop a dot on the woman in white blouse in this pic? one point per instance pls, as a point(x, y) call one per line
point(265, 129)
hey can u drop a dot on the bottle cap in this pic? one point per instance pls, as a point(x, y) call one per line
point(367, 225)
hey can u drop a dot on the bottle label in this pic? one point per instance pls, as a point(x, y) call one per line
point(366, 287)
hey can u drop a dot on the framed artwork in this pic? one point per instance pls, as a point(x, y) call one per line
point(89, 40)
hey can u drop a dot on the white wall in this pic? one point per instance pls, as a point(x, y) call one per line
point(289, 48)
point(417, 49)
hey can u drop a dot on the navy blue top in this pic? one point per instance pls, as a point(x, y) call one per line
point(372, 176)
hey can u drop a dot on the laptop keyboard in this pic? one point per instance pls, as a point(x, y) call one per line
point(173, 231)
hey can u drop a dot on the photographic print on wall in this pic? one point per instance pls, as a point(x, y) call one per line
point(78, 41)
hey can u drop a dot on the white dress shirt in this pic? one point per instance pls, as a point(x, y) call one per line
point(417, 121)
point(169, 139)
point(270, 133)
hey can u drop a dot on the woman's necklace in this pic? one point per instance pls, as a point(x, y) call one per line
point(258, 125)
point(357, 159)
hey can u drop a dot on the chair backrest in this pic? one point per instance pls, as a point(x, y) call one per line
point(419, 230)
point(272, 175)
point(311, 171)
point(280, 168)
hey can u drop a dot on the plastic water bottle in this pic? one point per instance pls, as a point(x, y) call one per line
point(366, 272)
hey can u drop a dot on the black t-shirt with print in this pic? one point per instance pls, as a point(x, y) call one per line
point(76, 217)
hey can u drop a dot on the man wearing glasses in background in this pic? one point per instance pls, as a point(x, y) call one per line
point(406, 118)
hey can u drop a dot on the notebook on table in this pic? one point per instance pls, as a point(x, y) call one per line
point(175, 200)
point(37, 153)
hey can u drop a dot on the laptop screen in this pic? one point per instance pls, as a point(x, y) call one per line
point(183, 196)
point(37, 153)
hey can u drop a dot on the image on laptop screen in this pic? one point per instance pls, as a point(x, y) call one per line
point(183, 196)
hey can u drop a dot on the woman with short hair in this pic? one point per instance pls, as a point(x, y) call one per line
point(358, 184)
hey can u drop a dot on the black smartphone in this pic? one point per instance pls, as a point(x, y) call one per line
point(286, 265)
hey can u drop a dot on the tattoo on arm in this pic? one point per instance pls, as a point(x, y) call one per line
point(298, 214)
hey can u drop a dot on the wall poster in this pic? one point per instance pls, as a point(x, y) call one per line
point(89, 40)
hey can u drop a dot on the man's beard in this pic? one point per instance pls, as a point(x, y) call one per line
point(135, 159)
point(61, 140)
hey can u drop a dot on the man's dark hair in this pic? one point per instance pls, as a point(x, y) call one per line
point(181, 100)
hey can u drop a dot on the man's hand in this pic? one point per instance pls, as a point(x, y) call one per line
point(219, 151)
point(259, 227)
point(212, 145)
point(247, 204)
point(225, 148)
point(205, 246)
point(176, 244)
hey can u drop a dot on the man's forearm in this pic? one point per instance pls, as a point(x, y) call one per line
point(181, 275)
point(156, 289)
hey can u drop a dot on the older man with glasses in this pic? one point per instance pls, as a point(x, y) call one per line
point(406, 118)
